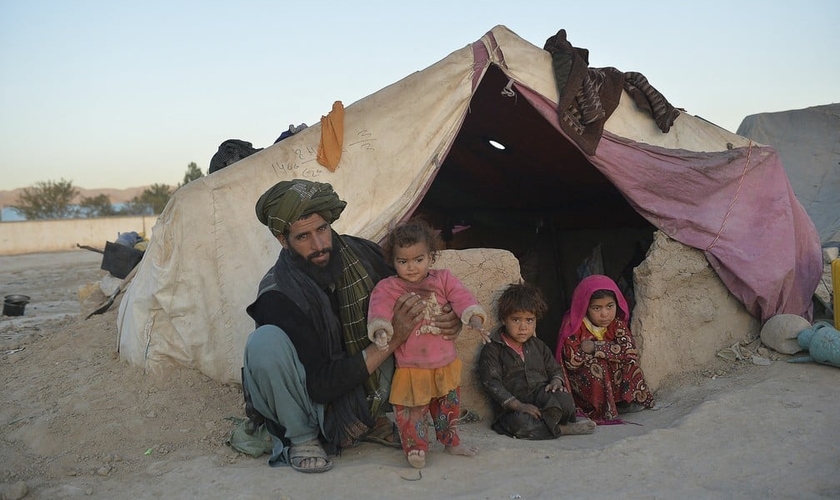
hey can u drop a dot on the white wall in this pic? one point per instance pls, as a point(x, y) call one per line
point(21, 237)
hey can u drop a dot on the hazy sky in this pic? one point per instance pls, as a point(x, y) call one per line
point(116, 93)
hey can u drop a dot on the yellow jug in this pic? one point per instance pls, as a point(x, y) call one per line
point(835, 287)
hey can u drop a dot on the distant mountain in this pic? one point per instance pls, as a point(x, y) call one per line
point(9, 198)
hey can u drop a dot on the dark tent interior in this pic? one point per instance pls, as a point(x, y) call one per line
point(539, 197)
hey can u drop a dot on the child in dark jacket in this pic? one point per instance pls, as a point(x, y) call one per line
point(526, 385)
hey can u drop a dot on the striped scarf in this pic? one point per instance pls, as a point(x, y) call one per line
point(353, 291)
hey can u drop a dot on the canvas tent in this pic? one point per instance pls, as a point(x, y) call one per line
point(420, 145)
point(808, 142)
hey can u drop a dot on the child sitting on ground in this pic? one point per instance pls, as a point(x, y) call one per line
point(599, 353)
point(427, 377)
point(525, 383)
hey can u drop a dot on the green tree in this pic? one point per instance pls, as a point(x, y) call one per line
point(135, 207)
point(96, 206)
point(157, 196)
point(48, 200)
point(193, 173)
point(152, 200)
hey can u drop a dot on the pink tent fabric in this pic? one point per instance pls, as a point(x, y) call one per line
point(736, 206)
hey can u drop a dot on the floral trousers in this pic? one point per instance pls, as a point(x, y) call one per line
point(412, 422)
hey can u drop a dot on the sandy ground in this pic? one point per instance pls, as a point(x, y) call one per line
point(76, 422)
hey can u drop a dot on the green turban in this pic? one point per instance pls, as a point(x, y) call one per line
point(288, 201)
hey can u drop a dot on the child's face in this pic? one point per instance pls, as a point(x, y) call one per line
point(520, 326)
point(601, 312)
point(412, 262)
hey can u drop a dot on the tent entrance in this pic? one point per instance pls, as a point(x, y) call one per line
point(540, 198)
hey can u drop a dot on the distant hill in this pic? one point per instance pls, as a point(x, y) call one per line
point(9, 198)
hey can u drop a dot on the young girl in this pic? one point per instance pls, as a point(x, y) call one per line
point(600, 356)
point(428, 371)
point(526, 385)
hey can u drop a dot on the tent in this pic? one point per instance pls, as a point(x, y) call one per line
point(808, 141)
point(422, 146)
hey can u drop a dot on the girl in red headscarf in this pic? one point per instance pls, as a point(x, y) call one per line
point(597, 349)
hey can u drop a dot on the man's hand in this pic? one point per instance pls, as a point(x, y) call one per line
point(408, 311)
point(449, 323)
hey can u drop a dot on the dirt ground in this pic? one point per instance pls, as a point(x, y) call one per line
point(76, 422)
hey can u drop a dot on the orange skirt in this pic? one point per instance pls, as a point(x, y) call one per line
point(418, 386)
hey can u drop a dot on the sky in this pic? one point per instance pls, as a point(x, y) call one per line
point(116, 93)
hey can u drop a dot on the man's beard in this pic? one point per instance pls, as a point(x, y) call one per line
point(323, 276)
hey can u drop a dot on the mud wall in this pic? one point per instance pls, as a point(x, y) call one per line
point(684, 314)
point(20, 237)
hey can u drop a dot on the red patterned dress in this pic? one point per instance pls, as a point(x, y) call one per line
point(611, 375)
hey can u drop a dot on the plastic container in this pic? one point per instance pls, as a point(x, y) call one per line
point(14, 305)
point(119, 260)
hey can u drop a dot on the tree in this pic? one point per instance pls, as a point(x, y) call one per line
point(96, 206)
point(135, 207)
point(157, 196)
point(151, 201)
point(193, 173)
point(48, 200)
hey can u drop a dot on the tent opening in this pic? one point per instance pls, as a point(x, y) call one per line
point(539, 198)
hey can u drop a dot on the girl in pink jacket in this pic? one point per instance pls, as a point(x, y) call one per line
point(428, 372)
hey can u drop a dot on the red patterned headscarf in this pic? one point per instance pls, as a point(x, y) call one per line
point(580, 303)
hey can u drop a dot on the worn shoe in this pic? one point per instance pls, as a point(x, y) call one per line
point(311, 449)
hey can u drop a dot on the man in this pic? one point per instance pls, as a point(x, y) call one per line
point(309, 367)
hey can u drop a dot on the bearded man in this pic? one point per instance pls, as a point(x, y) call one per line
point(309, 368)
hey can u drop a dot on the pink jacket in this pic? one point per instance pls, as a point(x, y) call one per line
point(423, 349)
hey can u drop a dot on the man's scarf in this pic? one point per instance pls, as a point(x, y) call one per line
point(287, 201)
point(353, 291)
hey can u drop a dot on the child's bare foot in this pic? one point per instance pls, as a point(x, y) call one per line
point(417, 458)
point(582, 426)
point(467, 451)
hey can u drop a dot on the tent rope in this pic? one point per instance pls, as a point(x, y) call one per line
point(734, 198)
point(508, 90)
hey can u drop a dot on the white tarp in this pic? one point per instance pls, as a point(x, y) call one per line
point(208, 251)
point(808, 141)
